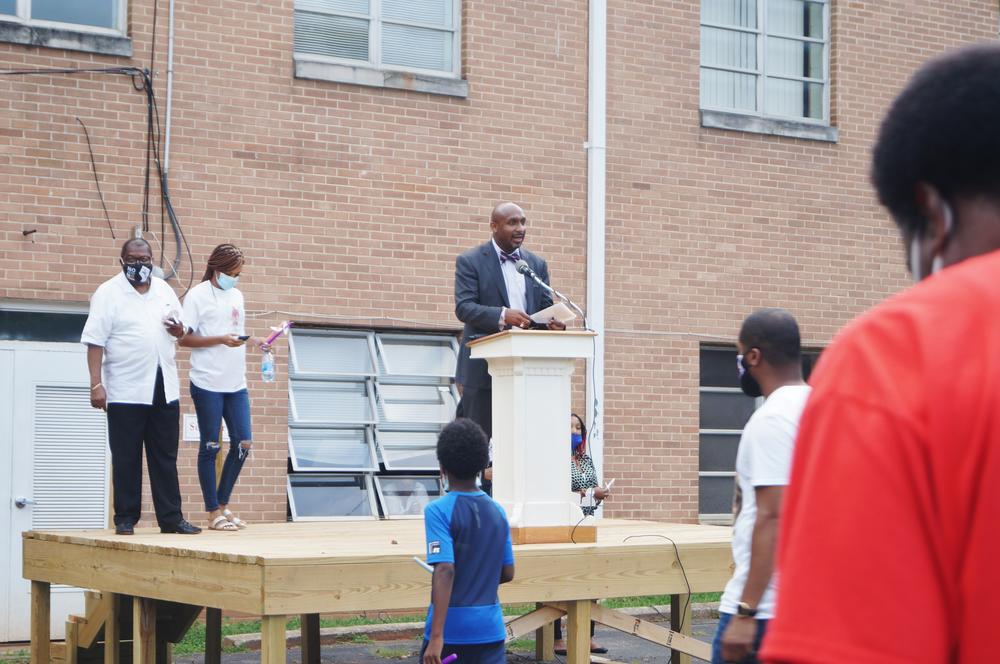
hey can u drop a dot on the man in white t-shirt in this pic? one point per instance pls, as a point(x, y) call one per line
point(130, 334)
point(770, 366)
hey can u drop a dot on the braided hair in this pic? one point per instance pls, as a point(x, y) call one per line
point(224, 258)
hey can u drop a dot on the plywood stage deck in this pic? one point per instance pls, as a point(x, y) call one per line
point(278, 570)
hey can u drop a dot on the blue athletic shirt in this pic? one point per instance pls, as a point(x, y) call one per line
point(470, 530)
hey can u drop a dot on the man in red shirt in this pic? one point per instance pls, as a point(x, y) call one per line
point(889, 546)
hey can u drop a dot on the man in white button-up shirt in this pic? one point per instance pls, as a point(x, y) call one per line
point(131, 330)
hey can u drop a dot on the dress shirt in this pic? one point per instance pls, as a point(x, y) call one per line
point(514, 281)
point(128, 325)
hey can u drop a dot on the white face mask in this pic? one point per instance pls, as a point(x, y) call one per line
point(915, 244)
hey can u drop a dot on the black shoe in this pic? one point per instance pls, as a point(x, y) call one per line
point(182, 527)
point(126, 528)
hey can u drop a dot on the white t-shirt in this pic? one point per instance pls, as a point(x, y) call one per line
point(211, 312)
point(764, 458)
point(128, 325)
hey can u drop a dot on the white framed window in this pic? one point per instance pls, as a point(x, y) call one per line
point(406, 496)
point(97, 16)
point(767, 58)
point(419, 36)
point(368, 404)
point(324, 497)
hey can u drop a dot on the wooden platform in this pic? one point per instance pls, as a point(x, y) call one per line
point(278, 570)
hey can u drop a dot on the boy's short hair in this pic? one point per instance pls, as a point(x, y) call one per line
point(462, 449)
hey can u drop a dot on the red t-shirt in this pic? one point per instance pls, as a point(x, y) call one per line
point(890, 540)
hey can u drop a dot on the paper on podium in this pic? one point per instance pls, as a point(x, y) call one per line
point(559, 311)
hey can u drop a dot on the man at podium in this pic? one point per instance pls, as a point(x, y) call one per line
point(491, 296)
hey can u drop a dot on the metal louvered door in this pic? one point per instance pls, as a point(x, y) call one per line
point(60, 467)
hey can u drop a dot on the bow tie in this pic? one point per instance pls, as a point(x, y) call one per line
point(513, 257)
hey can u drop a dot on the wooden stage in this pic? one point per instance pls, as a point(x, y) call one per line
point(288, 569)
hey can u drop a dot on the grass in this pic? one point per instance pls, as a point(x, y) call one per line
point(15, 657)
point(522, 645)
point(392, 653)
point(194, 640)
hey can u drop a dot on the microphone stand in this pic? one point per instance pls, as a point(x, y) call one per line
point(526, 269)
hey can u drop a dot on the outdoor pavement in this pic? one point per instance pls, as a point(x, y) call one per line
point(621, 648)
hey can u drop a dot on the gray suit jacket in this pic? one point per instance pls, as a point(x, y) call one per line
point(480, 292)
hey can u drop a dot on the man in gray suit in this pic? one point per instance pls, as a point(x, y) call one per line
point(490, 296)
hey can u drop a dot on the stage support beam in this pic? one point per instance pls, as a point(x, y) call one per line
point(40, 615)
point(112, 630)
point(578, 632)
point(143, 630)
point(680, 621)
point(545, 650)
point(310, 638)
point(272, 640)
point(213, 635)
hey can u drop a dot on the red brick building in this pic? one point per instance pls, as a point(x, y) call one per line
point(353, 147)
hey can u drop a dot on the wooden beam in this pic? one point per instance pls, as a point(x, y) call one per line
point(143, 630)
point(96, 614)
point(545, 650)
point(529, 622)
point(680, 621)
point(213, 636)
point(310, 638)
point(40, 615)
point(112, 629)
point(272, 640)
point(578, 632)
point(676, 641)
point(72, 641)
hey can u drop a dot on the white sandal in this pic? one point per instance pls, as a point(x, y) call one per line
point(222, 523)
point(233, 519)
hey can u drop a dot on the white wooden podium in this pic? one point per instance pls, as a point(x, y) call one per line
point(531, 372)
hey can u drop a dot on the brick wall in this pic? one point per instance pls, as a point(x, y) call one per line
point(352, 202)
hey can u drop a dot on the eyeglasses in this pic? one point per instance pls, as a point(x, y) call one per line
point(131, 260)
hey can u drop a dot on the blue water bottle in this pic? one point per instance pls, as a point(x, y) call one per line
point(267, 367)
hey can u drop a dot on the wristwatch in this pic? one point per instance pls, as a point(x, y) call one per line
point(744, 609)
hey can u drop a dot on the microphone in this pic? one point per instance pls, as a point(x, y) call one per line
point(525, 269)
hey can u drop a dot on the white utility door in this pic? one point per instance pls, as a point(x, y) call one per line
point(59, 467)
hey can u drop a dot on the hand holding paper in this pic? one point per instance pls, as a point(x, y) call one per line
point(557, 311)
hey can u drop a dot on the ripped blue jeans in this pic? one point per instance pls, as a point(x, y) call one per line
point(212, 408)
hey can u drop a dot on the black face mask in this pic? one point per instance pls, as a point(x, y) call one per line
point(748, 383)
point(137, 274)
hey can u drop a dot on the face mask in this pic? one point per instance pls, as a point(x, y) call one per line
point(576, 439)
point(748, 383)
point(138, 273)
point(937, 262)
point(225, 281)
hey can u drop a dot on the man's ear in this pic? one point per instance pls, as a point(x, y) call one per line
point(753, 356)
point(938, 214)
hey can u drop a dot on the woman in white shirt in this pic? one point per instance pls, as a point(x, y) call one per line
point(213, 311)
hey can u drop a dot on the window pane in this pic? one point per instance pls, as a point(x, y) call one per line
point(790, 57)
point(728, 90)
point(329, 495)
point(333, 6)
point(408, 450)
point(795, 17)
point(431, 404)
point(319, 402)
point(330, 449)
point(418, 357)
point(740, 13)
point(99, 13)
point(794, 99)
point(420, 48)
point(718, 368)
point(407, 496)
point(8, 7)
point(432, 12)
point(715, 495)
point(725, 410)
point(41, 326)
point(717, 451)
point(317, 353)
point(726, 48)
point(333, 36)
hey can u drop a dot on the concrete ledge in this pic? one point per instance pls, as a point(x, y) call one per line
point(69, 40)
point(377, 78)
point(772, 127)
point(386, 631)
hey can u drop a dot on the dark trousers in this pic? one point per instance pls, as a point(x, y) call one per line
point(477, 405)
point(129, 426)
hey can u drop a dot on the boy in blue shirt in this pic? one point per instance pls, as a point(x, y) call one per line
point(468, 542)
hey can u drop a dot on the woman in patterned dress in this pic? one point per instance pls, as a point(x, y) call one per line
point(584, 480)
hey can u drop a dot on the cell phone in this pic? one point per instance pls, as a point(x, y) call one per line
point(243, 337)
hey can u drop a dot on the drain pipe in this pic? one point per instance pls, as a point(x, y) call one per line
point(170, 90)
point(596, 190)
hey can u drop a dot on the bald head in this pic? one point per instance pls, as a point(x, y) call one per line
point(507, 222)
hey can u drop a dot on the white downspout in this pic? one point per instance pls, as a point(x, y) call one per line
point(170, 89)
point(596, 186)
